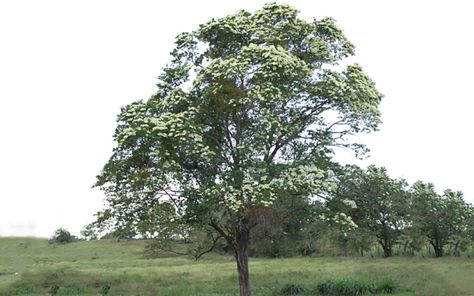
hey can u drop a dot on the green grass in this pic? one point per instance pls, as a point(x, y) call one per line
point(84, 268)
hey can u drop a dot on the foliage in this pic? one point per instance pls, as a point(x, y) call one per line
point(291, 289)
point(354, 287)
point(62, 236)
point(53, 290)
point(248, 110)
point(196, 243)
point(89, 232)
point(344, 287)
point(356, 241)
point(440, 217)
point(311, 234)
point(387, 285)
point(375, 202)
point(104, 290)
point(284, 228)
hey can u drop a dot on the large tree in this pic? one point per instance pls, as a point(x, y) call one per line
point(248, 109)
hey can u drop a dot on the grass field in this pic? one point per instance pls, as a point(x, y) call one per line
point(30, 266)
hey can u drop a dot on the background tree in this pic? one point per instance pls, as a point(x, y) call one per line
point(462, 212)
point(280, 228)
point(311, 234)
point(412, 238)
point(249, 109)
point(349, 241)
point(442, 218)
point(62, 236)
point(381, 203)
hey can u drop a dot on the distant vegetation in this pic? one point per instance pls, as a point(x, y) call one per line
point(367, 213)
point(62, 236)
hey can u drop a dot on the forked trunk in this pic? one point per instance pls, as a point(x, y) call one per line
point(437, 247)
point(242, 258)
point(387, 248)
point(240, 244)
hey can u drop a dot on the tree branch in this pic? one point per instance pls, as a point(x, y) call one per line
point(222, 233)
point(214, 243)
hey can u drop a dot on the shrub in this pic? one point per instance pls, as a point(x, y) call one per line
point(53, 290)
point(343, 287)
point(62, 236)
point(387, 285)
point(355, 287)
point(291, 289)
point(325, 288)
point(104, 290)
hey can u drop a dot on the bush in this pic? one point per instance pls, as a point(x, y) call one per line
point(104, 290)
point(53, 290)
point(62, 236)
point(344, 287)
point(355, 287)
point(387, 286)
point(291, 289)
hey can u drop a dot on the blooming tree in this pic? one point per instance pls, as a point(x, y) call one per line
point(247, 110)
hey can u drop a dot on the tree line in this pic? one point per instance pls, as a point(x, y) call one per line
point(364, 208)
point(367, 207)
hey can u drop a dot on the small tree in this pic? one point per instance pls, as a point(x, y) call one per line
point(62, 236)
point(441, 218)
point(381, 203)
point(249, 109)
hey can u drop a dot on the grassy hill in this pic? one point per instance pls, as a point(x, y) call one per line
point(31, 266)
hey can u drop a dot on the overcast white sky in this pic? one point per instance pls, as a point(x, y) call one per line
point(66, 67)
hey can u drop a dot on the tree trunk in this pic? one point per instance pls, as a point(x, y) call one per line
point(439, 251)
point(242, 258)
point(456, 249)
point(437, 247)
point(387, 249)
point(239, 241)
point(405, 248)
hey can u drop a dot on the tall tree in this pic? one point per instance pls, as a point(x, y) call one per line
point(249, 107)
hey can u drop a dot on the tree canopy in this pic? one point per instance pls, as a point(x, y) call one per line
point(440, 217)
point(380, 203)
point(248, 110)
